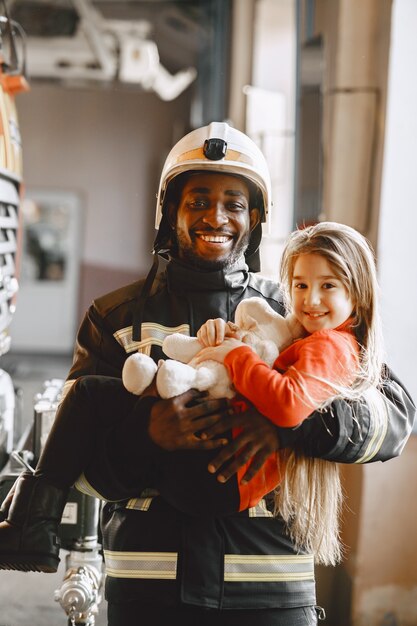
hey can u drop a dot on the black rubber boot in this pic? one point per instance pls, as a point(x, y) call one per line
point(29, 539)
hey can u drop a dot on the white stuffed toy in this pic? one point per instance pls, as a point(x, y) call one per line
point(256, 324)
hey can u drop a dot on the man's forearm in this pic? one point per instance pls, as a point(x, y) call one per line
point(348, 432)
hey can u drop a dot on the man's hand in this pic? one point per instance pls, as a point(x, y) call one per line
point(151, 390)
point(258, 440)
point(175, 424)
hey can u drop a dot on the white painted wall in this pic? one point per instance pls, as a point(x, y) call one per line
point(397, 243)
point(108, 146)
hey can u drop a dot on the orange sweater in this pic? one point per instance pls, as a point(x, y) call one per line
point(299, 382)
point(302, 377)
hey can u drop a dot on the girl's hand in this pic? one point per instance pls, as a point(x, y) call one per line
point(217, 353)
point(212, 332)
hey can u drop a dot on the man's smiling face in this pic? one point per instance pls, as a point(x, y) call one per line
point(213, 221)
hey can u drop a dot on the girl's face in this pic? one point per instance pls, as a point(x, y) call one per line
point(318, 296)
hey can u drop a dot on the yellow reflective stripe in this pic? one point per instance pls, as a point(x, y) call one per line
point(152, 334)
point(376, 441)
point(139, 504)
point(198, 155)
point(268, 568)
point(150, 565)
point(267, 578)
point(260, 510)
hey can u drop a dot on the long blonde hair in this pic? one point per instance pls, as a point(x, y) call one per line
point(309, 498)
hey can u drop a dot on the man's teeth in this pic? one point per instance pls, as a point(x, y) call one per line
point(215, 238)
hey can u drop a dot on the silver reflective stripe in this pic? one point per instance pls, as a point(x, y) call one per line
point(380, 430)
point(152, 335)
point(259, 510)
point(268, 568)
point(155, 565)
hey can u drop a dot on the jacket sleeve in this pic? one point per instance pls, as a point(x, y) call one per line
point(347, 433)
point(96, 349)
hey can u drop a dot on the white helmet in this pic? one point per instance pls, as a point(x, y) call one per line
point(220, 148)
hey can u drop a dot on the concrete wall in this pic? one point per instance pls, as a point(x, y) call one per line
point(386, 585)
point(356, 48)
point(398, 215)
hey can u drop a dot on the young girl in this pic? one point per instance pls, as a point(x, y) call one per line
point(328, 274)
point(329, 279)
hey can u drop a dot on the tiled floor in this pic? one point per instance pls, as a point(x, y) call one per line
point(27, 599)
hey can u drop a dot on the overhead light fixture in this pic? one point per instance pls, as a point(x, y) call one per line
point(87, 47)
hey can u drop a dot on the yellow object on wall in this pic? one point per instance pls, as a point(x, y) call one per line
point(10, 142)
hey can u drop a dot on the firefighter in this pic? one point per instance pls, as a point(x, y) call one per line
point(163, 564)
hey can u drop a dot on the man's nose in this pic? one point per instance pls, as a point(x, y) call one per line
point(216, 215)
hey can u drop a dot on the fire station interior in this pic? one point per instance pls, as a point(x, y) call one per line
point(327, 89)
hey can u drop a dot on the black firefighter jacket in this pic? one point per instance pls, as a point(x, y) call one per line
point(181, 539)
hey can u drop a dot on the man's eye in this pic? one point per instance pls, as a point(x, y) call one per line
point(198, 204)
point(236, 206)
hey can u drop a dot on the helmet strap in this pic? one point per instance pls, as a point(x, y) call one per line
point(252, 255)
point(140, 303)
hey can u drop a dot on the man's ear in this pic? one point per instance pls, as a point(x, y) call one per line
point(254, 217)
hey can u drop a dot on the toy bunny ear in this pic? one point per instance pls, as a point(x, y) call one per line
point(252, 312)
point(247, 322)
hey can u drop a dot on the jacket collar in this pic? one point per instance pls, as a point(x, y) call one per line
point(183, 278)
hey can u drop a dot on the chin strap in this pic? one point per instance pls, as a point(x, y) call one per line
point(252, 255)
point(254, 262)
point(140, 303)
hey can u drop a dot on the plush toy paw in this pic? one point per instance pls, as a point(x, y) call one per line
point(138, 372)
point(181, 347)
point(174, 378)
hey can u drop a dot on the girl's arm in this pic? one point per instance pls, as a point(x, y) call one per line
point(322, 362)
